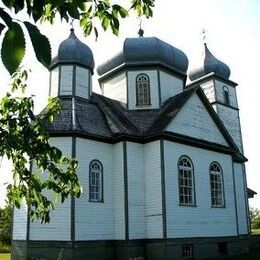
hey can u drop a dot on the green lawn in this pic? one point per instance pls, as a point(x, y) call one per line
point(5, 256)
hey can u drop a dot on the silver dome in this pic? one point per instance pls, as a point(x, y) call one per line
point(145, 51)
point(73, 51)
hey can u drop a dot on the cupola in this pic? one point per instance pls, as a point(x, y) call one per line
point(146, 51)
point(71, 70)
point(207, 64)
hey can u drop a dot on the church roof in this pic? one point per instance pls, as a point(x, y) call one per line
point(102, 118)
point(207, 64)
point(73, 51)
point(146, 51)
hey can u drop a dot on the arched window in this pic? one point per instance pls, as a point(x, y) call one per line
point(142, 90)
point(216, 185)
point(95, 181)
point(186, 185)
point(226, 95)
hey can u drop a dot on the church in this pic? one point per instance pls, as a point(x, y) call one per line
point(161, 161)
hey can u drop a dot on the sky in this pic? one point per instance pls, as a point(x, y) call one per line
point(233, 36)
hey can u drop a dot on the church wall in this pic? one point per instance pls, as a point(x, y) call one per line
point(194, 120)
point(54, 82)
point(94, 220)
point(154, 95)
point(153, 190)
point(169, 86)
point(20, 223)
point(231, 121)
point(200, 220)
point(66, 76)
point(119, 198)
point(82, 82)
point(59, 227)
point(220, 95)
point(240, 196)
point(209, 90)
point(116, 88)
point(136, 190)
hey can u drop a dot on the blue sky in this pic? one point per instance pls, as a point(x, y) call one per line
point(233, 36)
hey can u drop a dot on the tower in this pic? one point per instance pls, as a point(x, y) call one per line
point(71, 70)
point(213, 77)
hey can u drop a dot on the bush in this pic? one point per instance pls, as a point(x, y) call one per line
point(5, 225)
point(5, 248)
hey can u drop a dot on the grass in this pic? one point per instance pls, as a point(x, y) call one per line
point(255, 231)
point(5, 256)
point(4, 249)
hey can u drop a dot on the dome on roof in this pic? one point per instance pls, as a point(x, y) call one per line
point(73, 51)
point(147, 51)
point(207, 64)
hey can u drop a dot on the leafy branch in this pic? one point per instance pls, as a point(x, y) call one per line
point(39, 169)
point(88, 12)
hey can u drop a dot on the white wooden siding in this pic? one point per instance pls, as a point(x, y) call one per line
point(54, 82)
point(20, 223)
point(136, 189)
point(59, 226)
point(94, 220)
point(82, 82)
point(170, 86)
point(209, 90)
point(119, 198)
point(231, 121)
point(154, 95)
point(240, 195)
point(115, 88)
point(66, 80)
point(201, 220)
point(153, 191)
point(195, 121)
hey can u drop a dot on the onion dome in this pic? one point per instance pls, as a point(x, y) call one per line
point(147, 51)
point(73, 51)
point(207, 64)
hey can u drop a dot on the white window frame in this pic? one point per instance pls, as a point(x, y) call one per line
point(187, 251)
point(186, 182)
point(216, 185)
point(143, 90)
point(95, 181)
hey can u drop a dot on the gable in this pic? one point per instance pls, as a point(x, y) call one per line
point(195, 121)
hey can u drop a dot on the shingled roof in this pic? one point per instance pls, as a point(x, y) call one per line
point(105, 117)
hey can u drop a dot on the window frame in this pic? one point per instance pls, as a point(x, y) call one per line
point(222, 185)
point(193, 204)
point(101, 199)
point(187, 248)
point(137, 91)
point(226, 96)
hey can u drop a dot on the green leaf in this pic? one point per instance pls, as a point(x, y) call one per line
point(1, 28)
point(73, 10)
point(18, 5)
point(6, 18)
point(8, 3)
point(41, 44)
point(105, 23)
point(13, 48)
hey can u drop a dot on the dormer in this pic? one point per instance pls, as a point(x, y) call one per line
point(144, 74)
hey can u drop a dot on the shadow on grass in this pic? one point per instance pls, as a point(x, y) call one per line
point(253, 255)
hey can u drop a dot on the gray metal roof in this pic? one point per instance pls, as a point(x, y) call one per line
point(143, 51)
point(73, 51)
point(207, 64)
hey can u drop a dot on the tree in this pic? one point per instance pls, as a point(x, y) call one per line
point(254, 217)
point(5, 225)
point(23, 136)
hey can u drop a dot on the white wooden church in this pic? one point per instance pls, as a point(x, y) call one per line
point(161, 161)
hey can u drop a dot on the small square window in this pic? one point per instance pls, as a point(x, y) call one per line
point(222, 248)
point(187, 252)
